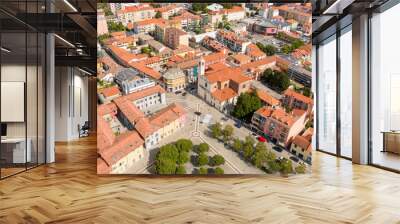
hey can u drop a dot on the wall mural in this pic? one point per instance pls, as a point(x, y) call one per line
point(204, 89)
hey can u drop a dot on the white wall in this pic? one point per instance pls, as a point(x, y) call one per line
point(71, 103)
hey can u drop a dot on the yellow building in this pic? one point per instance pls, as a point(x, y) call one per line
point(174, 80)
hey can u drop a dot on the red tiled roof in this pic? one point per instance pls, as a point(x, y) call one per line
point(135, 8)
point(146, 70)
point(124, 144)
point(147, 126)
point(216, 67)
point(253, 51)
point(223, 94)
point(302, 142)
point(241, 58)
point(255, 64)
point(149, 22)
point(110, 91)
point(278, 114)
point(214, 57)
point(298, 96)
point(233, 74)
point(267, 98)
point(104, 109)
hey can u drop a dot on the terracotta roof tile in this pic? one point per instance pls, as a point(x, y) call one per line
point(224, 94)
point(110, 91)
point(298, 96)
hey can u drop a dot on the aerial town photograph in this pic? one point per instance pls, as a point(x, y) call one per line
point(204, 88)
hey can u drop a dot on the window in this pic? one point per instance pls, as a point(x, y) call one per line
point(385, 87)
point(346, 92)
point(327, 95)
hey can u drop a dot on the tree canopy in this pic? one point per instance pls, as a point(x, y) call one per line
point(115, 27)
point(275, 79)
point(184, 144)
point(268, 49)
point(246, 105)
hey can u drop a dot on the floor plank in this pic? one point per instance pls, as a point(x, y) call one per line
point(69, 191)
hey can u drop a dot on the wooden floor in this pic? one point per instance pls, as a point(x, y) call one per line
point(69, 191)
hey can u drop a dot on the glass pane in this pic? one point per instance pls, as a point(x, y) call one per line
point(13, 86)
point(385, 84)
point(31, 99)
point(346, 94)
point(41, 99)
point(327, 96)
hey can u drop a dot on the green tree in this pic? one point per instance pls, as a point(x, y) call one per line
point(216, 130)
point(275, 79)
point(274, 166)
point(203, 170)
point(158, 14)
point(203, 148)
point(237, 145)
point(219, 170)
point(267, 49)
point(246, 105)
point(248, 151)
point(286, 166)
point(202, 159)
point(249, 140)
point(301, 168)
point(260, 146)
point(217, 160)
point(200, 7)
point(168, 152)
point(183, 157)
point(103, 37)
point(146, 50)
point(184, 144)
point(307, 92)
point(180, 170)
point(115, 27)
point(227, 132)
point(165, 166)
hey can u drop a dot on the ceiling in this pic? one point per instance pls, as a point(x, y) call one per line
point(74, 22)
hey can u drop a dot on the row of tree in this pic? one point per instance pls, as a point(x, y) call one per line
point(257, 153)
point(172, 157)
point(268, 49)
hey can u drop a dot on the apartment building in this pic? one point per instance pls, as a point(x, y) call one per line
point(168, 11)
point(294, 100)
point(102, 27)
point(278, 125)
point(144, 100)
point(148, 25)
point(232, 14)
point(232, 41)
point(175, 37)
point(135, 13)
point(301, 145)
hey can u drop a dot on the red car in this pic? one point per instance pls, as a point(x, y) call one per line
point(261, 139)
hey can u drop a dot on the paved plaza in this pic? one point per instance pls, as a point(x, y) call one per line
point(197, 132)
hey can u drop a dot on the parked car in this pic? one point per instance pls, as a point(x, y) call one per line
point(294, 158)
point(224, 119)
point(238, 124)
point(184, 94)
point(261, 139)
point(178, 92)
point(277, 148)
point(197, 113)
